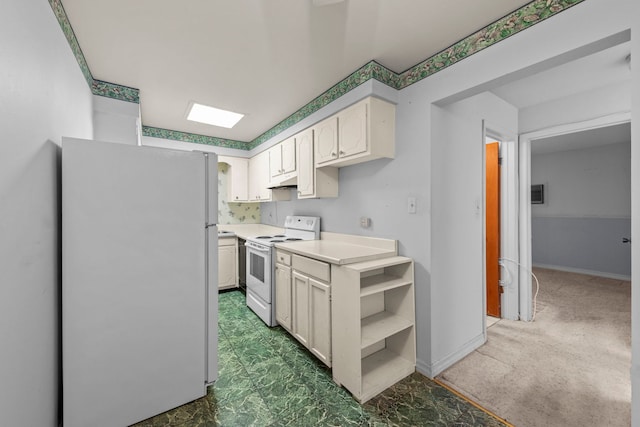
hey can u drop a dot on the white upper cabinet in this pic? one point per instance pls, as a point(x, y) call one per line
point(238, 187)
point(282, 158)
point(259, 181)
point(365, 131)
point(314, 182)
point(352, 130)
point(306, 168)
point(326, 136)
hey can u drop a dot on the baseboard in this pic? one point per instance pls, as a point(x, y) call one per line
point(583, 271)
point(437, 367)
point(424, 368)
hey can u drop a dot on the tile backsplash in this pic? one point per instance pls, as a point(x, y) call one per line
point(231, 212)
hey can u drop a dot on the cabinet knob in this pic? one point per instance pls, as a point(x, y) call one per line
point(333, 154)
point(342, 153)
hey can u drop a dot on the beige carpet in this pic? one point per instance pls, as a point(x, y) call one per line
point(568, 368)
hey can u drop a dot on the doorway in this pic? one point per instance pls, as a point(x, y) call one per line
point(525, 217)
point(492, 226)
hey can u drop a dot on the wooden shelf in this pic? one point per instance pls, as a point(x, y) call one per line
point(380, 283)
point(381, 370)
point(380, 326)
point(373, 325)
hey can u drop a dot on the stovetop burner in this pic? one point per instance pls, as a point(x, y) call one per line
point(264, 237)
point(290, 239)
point(277, 241)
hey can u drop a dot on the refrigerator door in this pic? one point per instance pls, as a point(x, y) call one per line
point(212, 306)
point(134, 274)
point(211, 160)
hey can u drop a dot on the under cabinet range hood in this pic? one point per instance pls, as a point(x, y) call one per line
point(289, 180)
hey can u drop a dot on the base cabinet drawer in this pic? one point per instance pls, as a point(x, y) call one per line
point(312, 267)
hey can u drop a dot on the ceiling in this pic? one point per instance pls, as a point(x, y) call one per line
point(263, 58)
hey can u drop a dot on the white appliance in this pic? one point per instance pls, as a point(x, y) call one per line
point(139, 280)
point(260, 266)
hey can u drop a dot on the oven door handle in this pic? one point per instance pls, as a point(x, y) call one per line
point(258, 248)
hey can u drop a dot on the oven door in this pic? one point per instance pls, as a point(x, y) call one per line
point(259, 270)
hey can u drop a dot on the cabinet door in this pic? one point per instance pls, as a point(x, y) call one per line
point(300, 293)
point(259, 177)
point(226, 267)
point(275, 160)
point(239, 180)
point(326, 140)
point(288, 155)
point(306, 167)
point(320, 320)
point(283, 296)
point(352, 130)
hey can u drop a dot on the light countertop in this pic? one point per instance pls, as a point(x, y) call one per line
point(333, 248)
point(251, 230)
point(336, 252)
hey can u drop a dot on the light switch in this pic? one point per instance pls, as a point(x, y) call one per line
point(365, 222)
point(411, 205)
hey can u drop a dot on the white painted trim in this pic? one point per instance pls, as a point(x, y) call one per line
point(464, 350)
point(526, 298)
point(524, 234)
point(424, 369)
point(583, 271)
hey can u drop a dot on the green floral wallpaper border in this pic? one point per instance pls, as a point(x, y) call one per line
point(513, 23)
point(98, 87)
point(193, 137)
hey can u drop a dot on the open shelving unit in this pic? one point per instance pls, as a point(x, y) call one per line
point(373, 319)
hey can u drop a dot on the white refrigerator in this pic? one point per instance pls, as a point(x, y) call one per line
point(139, 280)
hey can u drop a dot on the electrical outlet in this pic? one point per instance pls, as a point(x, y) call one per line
point(411, 205)
point(365, 222)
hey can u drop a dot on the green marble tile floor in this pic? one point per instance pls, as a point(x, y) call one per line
point(267, 379)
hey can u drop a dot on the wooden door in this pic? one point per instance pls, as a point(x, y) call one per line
point(493, 229)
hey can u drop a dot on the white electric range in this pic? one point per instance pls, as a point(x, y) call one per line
point(260, 263)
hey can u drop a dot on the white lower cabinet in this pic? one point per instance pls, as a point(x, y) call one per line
point(283, 290)
point(227, 263)
point(303, 302)
point(300, 288)
point(320, 320)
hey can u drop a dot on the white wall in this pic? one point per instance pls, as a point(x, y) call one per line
point(115, 120)
point(457, 188)
point(586, 211)
point(583, 106)
point(43, 96)
point(593, 182)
